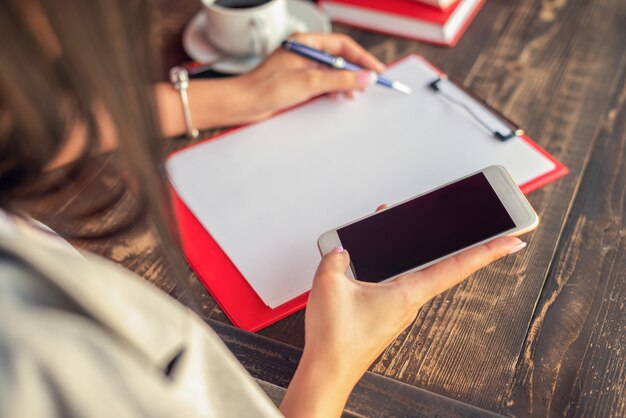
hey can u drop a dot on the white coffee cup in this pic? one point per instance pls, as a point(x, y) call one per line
point(248, 27)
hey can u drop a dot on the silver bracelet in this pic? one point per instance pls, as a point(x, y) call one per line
point(180, 80)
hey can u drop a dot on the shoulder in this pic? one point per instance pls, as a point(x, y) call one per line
point(57, 361)
point(83, 322)
point(42, 344)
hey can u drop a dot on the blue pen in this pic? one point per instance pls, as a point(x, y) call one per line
point(339, 63)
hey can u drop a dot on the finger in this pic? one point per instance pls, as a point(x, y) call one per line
point(335, 262)
point(340, 44)
point(348, 48)
point(448, 273)
point(382, 207)
point(318, 82)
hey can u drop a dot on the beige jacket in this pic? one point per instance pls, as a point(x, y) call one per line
point(83, 337)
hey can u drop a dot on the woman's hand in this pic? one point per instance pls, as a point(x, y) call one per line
point(286, 79)
point(283, 80)
point(349, 323)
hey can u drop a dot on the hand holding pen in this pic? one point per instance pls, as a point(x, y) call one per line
point(283, 80)
point(339, 63)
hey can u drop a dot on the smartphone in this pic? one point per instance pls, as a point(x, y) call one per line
point(435, 225)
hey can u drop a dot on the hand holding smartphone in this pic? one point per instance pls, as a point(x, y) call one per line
point(438, 224)
point(349, 323)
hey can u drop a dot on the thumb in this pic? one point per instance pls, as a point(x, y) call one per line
point(438, 278)
point(335, 262)
point(322, 81)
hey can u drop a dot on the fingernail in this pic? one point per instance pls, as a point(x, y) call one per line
point(366, 78)
point(517, 248)
point(338, 249)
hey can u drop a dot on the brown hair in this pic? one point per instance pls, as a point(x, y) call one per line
point(104, 62)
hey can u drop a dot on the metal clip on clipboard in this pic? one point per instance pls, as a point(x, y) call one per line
point(496, 123)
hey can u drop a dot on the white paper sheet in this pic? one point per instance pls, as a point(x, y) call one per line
point(266, 192)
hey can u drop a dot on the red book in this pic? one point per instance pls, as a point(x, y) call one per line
point(442, 4)
point(405, 18)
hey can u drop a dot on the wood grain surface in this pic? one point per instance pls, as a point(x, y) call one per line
point(540, 333)
point(374, 396)
point(574, 358)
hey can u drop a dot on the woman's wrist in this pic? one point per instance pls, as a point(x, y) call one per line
point(225, 102)
point(213, 103)
point(320, 387)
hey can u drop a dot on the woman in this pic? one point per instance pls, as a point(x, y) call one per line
point(80, 336)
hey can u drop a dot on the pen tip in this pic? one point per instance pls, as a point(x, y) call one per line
point(402, 87)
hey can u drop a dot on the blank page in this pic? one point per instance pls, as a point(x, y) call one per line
point(267, 191)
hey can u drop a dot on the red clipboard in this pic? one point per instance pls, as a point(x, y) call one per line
point(231, 290)
point(219, 275)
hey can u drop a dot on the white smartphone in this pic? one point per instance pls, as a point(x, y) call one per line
point(435, 225)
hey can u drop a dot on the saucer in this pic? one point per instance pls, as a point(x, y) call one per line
point(199, 49)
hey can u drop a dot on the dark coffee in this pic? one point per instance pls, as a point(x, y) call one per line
point(240, 4)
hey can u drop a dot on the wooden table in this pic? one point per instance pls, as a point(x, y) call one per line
point(542, 333)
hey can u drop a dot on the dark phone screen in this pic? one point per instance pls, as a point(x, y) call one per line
point(425, 228)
